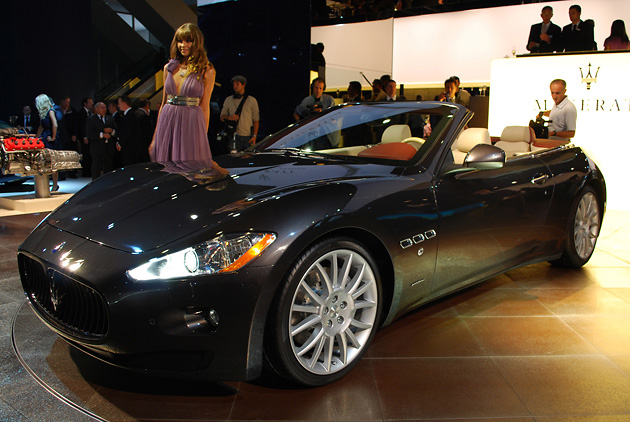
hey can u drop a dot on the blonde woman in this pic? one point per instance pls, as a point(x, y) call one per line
point(49, 115)
point(182, 124)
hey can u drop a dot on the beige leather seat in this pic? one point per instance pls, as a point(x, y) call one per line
point(395, 133)
point(515, 139)
point(467, 140)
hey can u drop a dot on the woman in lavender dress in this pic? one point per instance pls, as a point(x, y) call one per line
point(181, 133)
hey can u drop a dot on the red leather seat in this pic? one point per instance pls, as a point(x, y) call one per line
point(390, 151)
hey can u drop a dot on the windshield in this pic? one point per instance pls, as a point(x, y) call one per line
point(391, 131)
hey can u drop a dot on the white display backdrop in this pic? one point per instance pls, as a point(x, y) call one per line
point(353, 48)
point(520, 89)
point(425, 50)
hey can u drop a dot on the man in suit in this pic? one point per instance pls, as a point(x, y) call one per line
point(28, 120)
point(101, 132)
point(83, 144)
point(145, 127)
point(68, 124)
point(578, 35)
point(125, 123)
point(112, 110)
point(390, 90)
point(545, 37)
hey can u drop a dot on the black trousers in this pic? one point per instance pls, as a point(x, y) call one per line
point(102, 156)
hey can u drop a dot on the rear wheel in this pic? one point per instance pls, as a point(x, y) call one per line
point(326, 314)
point(584, 225)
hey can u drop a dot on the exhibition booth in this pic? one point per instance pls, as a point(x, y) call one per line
point(520, 90)
point(486, 49)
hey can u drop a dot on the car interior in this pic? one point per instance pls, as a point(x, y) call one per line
point(373, 133)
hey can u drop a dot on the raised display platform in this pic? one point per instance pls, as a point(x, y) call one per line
point(28, 204)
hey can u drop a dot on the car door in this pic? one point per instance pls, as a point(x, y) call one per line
point(490, 219)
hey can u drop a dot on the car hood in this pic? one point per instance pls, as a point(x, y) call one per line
point(140, 208)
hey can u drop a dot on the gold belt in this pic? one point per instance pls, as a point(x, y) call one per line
point(182, 101)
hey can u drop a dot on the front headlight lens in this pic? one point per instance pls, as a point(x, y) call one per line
point(222, 254)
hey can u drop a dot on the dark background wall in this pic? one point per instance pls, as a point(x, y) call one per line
point(69, 48)
point(268, 42)
point(45, 47)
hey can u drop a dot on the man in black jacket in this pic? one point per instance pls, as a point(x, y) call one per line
point(578, 35)
point(101, 132)
point(545, 37)
point(83, 144)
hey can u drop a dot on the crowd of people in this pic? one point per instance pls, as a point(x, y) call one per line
point(578, 35)
point(107, 135)
point(119, 132)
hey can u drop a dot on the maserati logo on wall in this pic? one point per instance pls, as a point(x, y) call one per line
point(589, 78)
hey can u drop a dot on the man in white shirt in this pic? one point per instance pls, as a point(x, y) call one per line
point(563, 114)
point(247, 121)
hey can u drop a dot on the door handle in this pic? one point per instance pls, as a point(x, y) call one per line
point(540, 179)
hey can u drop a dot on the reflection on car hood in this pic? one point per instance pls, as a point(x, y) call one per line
point(143, 207)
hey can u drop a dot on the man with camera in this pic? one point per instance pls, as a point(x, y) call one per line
point(563, 114)
point(241, 116)
point(314, 103)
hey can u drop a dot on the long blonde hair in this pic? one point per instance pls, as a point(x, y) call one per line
point(198, 59)
point(44, 104)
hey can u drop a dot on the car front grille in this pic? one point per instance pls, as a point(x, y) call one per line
point(65, 303)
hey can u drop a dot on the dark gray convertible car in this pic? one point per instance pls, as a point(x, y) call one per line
point(293, 253)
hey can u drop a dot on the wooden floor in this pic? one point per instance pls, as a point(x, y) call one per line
point(535, 344)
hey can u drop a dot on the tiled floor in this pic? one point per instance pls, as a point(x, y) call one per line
point(535, 344)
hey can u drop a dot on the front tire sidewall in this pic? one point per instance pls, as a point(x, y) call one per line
point(279, 344)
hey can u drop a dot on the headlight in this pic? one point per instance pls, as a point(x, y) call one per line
point(222, 254)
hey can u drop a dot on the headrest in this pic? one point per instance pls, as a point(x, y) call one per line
point(516, 134)
point(396, 133)
point(471, 137)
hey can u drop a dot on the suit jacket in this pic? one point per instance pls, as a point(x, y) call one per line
point(117, 118)
point(68, 128)
point(94, 127)
point(33, 122)
point(582, 39)
point(145, 128)
point(81, 120)
point(135, 134)
point(554, 32)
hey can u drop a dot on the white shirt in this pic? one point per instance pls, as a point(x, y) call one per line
point(249, 114)
point(563, 117)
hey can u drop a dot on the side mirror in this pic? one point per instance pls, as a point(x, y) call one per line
point(485, 156)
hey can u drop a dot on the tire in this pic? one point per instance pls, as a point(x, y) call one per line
point(584, 225)
point(325, 314)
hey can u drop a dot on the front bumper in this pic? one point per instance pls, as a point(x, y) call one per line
point(210, 326)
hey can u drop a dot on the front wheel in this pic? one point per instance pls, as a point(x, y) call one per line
point(584, 225)
point(326, 314)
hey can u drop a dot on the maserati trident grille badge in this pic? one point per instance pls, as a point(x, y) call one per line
point(55, 294)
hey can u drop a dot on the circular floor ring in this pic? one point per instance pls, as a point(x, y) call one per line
point(36, 377)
